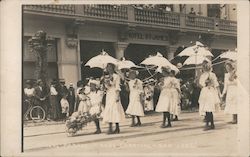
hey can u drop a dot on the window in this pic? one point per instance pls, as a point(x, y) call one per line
point(213, 10)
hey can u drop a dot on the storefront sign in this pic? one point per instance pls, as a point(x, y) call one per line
point(147, 36)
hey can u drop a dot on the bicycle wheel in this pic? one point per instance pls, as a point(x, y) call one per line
point(37, 114)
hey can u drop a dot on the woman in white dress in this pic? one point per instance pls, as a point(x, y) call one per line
point(164, 104)
point(209, 95)
point(113, 111)
point(230, 89)
point(135, 107)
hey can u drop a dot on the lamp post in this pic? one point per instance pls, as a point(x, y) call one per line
point(39, 44)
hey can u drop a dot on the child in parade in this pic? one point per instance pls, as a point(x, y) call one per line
point(165, 102)
point(230, 89)
point(95, 96)
point(65, 107)
point(135, 107)
point(148, 98)
point(84, 101)
point(175, 95)
point(113, 111)
point(209, 95)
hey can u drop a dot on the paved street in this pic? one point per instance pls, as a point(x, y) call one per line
point(185, 137)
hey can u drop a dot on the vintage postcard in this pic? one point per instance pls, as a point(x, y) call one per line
point(125, 78)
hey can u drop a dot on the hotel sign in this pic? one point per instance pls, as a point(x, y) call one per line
point(147, 36)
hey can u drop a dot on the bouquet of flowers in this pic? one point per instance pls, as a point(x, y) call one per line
point(77, 121)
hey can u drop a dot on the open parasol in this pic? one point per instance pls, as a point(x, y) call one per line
point(229, 55)
point(101, 60)
point(126, 64)
point(160, 61)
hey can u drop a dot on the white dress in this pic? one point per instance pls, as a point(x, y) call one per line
point(230, 87)
point(113, 111)
point(95, 102)
point(135, 106)
point(64, 105)
point(84, 104)
point(168, 100)
point(148, 98)
point(175, 97)
point(209, 96)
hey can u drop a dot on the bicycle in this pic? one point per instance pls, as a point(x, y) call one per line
point(35, 112)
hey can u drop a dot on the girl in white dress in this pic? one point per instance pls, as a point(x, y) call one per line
point(175, 95)
point(230, 89)
point(209, 95)
point(135, 107)
point(84, 104)
point(113, 111)
point(95, 96)
point(148, 96)
point(164, 104)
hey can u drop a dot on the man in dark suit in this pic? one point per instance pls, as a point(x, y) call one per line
point(71, 98)
point(41, 97)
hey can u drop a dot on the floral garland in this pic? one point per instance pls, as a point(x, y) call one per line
point(77, 121)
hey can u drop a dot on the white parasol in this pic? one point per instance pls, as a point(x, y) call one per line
point(229, 55)
point(160, 61)
point(197, 49)
point(195, 60)
point(101, 60)
point(126, 64)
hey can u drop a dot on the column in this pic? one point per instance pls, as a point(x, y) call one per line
point(68, 61)
point(171, 51)
point(120, 48)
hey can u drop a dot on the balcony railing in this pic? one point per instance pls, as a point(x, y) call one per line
point(121, 13)
point(199, 21)
point(106, 11)
point(227, 25)
point(65, 9)
point(157, 17)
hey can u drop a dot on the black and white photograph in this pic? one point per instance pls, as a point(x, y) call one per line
point(126, 79)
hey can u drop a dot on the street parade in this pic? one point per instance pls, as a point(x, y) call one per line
point(116, 90)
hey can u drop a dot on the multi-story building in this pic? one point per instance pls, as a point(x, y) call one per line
point(134, 31)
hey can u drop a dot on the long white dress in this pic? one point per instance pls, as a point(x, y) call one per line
point(230, 87)
point(148, 98)
point(209, 96)
point(169, 99)
point(175, 97)
point(135, 106)
point(113, 111)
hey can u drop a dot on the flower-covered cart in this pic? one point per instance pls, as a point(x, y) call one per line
point(77, 121)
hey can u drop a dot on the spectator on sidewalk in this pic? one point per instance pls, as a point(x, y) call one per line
point(71, 98)
point(65, 107)
point(54, 101)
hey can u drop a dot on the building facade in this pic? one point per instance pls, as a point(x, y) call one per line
point(83, 31)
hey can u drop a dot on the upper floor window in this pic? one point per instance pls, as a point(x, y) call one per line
point(213, 10)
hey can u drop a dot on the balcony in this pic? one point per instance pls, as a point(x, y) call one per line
point(140, 17)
